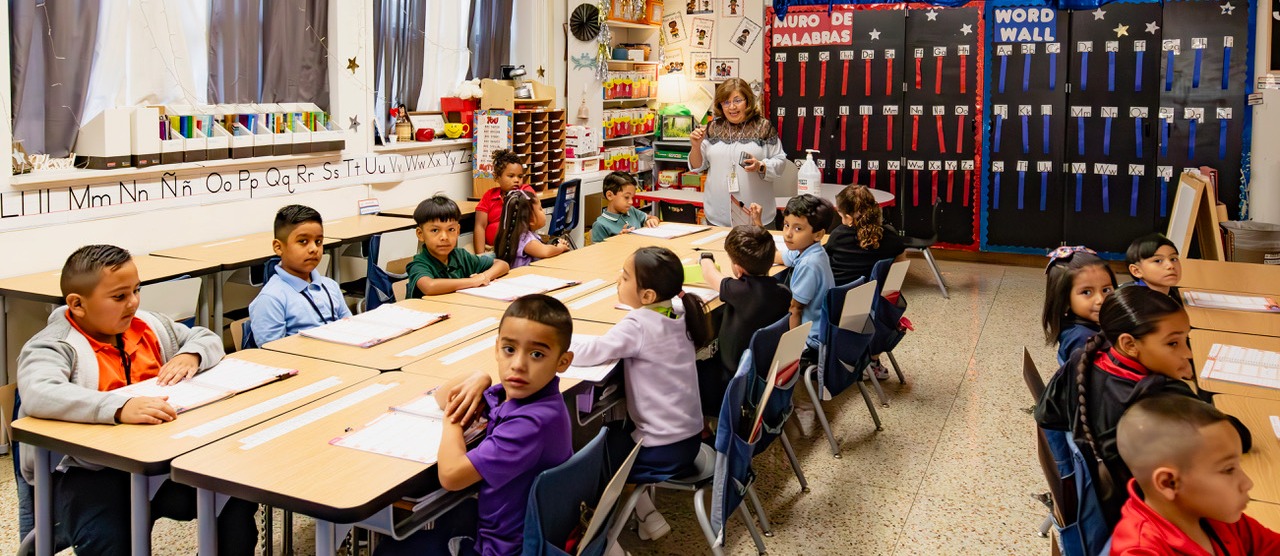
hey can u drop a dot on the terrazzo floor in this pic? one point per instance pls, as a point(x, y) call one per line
point(952, 472)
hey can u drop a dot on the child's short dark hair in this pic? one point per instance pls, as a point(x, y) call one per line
point(437, 207)
point(291, 216)
point(615, 181)
point(83, 269)
point(543, 309)
point(1146, 246)
point(816, 210)
point(752, 248)
point(503, 158)
point(1164, 429)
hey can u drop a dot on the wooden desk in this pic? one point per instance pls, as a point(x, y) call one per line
point(147, 450)
point(590, 282)
point(1262, 463)
point(1246, 278)
point(1266, 514)
point(1203, 340)
point(1243, 322)
point(468, 208)
point(478, 355)
point(299, 470)
point(44, 287)
point(725, 264)
point(607, 256)
point(463, 324)
point(361, 227)
point(601, 306)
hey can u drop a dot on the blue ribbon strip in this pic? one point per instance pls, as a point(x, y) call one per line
point(1079, 190)
point(1026, 72)
point(1022, 182)
point(1195, 74)
point(1222, 138)
point(1226, 67)
point(995, 198)
point(1080, 135)
point(1137, 74)
point(1084, 71)
point(1137, 135)
point(1164, 190)
point(1106, 137)
point(1133, 197)
point(1191, 139)
point(999, 127)
point(1044, 189)
point(1053, 70)
point(1026, 137)
point(1106, 193)
point(1004, 65)
point(1168, 72)
point(1045, 148)
point(1111, 71)
point(1164, 137)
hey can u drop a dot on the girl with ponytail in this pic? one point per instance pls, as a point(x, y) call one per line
point(518, 242)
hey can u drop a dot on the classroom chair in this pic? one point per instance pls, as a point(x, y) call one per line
point(761, 350)
point(564, 218)
point(242, 335)
point(379, 286)
point(560, 498)
point(922, 245)
point(844, 353)
point(888, 306)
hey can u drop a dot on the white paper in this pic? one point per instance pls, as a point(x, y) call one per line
point(353, 332)
point(1275, 425)
point(399, 435)
point(1208, 300)
point(238, 375)
point(259, 408)
point(400, 317)
point(469, 350)
point(182, 396)
point(668, 230)
point(593, 298)
point(424, 406)
point(285, 427)
point(1242, 365)
point(508, 289)
point(591, 373)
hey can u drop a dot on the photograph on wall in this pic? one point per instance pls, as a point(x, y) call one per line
point(701, 64)
point(745, 35)
point(673, 26)
point(723, 69)
point(698, 7)
point(1275, 40)
point(732, 9)
point(675, 61)
point(703, 28)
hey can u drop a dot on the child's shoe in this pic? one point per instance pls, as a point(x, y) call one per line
point(877, 370)
point(652, 526)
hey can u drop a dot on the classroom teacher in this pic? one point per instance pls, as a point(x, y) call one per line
point(740, 153)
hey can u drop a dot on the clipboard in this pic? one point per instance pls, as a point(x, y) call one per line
point(608, 499)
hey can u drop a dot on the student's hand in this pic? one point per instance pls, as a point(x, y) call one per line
point(465, 399)
point(478, 280)
point(562, 243)
point(147, 410)
point(755, 212)
point(696, 137)
point(626, 229)
point(651, 222)
point(181, 367)
point(752, 165)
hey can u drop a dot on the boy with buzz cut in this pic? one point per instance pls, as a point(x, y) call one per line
point(441, 266)
point(1189, 492)
point(98, 342)
point(528, 433)
point(619, 215)
point(752, 300)
point(297, 297)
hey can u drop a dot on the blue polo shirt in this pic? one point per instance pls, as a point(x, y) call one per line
point(523, 438)
point(811, 277)
point(288, 305)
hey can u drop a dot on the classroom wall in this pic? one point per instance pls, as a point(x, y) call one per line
point(1264, 187)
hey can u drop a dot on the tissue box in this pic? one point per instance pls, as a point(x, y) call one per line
point(581, 142)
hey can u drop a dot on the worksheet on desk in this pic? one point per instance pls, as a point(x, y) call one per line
point(399, 435)
point(1242, 365)
point(509, 289)
point(668, 230)
point(227, 378)
point(1209, 300)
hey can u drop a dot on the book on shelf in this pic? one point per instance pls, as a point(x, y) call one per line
point(1213, 300)
point(228, 378)
point(510, 288)
point(374, 327)
point(1242, 365)
point(409, 431)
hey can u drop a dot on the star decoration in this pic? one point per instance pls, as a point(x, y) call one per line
point(1121, 31)
point(932, 15)
point(875, 35)
point(352, 65)
point(1152, 27)
point(1099, 14)
point(1227, 9)
point(966, 29)
point(542, 72)
point(355, 123)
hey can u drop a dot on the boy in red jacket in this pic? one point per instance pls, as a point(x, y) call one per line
point(1188, 493)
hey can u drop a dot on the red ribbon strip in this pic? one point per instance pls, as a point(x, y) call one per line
point(915, 132)
point(888, 136)
point(915, 188)
point(844, 119)
point(963, 62)
point(802, 77)
point(935, 186)
point(817, 131)
point(840, 175)
point(919, 82)
point(959, 134)
point(844, 81)
point(967, 192)
point(888, 75)
point(866, 130)
point(800, 134)
point(893, 182)
point(867, 74)
point(951, 181)
point(937, 75)
point(780, 82)
point(822, 81)
point(942, 137)
point(873, 179)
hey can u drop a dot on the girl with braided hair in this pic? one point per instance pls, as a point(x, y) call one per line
point(518, 242)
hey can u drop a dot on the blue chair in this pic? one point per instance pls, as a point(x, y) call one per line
point(842, 356)
point(557, 496)
point(564, 218)
point(378, 281)
point(760, 352)
point(887, 315)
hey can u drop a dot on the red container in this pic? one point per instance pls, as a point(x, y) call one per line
point(460, 110)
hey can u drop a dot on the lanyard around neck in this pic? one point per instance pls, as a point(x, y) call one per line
point(333, 316)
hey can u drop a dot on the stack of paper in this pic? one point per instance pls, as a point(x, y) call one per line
point(1242, 365)
point(374, 327)
point(226, 379)
point(410, 431)
point(508, 289)
point(668, 230)
point(1209, 300)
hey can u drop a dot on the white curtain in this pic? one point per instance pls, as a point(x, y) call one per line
point(446, 58)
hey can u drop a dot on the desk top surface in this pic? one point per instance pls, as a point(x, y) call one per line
point(467, 208)
point(1244, 278)
point(46, 287)
point(231, 253)
point(590, 281)
point(1203, 340)
point(364, 225)
point(1262, 463)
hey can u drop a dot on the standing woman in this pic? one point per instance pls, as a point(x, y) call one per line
point(741, 154)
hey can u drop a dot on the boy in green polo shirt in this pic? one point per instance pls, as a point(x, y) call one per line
point(441, 266)
point(619, 216)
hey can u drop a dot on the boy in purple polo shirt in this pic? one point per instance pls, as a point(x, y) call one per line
point(528, 432)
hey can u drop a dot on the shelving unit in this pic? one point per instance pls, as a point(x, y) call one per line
point(628, 137)
point(627, 101)
point(538, 136)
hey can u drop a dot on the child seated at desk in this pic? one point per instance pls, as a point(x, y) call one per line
point(441, 266)
point(619, 216)
point(804, 222)
point(528, 432)
point(518, 242)
point(509, 173)
point(1188, 491)
point(296, 298)
point(1154, 262)
point(98, 342)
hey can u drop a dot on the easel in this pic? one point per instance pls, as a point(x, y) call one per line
point(1195, 212)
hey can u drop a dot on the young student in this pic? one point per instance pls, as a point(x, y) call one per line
point(619, 216)
point(509, 173)
point(1154, 262)
point(804, 222)
point(528, 432)
point(1140, 350)
point(657, 346)
point(518, 243)
point(98, 342)
point(1077, 283)
point(1189, 491)
point(441, 266)
point(296, 298)
point(862, 239)
point(752, 300)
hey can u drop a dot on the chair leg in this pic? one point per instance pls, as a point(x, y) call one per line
point(896, 367)
point(627, 507)
point(700, 510)
point(268, 530)
point(817, 408)
point(795, 462)
point(1046, 525)
point(933, 265)
point(286, 543)
point(875, 383)
point(751, 528)
point(871, 406)
point(765, 526)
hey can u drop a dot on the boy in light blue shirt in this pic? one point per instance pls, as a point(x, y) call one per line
point(296, 298)
point(804, 223)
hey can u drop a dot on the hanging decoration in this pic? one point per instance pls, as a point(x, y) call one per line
point(603, 42)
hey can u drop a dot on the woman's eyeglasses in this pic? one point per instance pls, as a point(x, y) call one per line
point(733, 102)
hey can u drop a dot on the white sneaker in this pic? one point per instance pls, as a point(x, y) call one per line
point(615, 549)
point(652, 526)
point(805, 418)
point(877, 370)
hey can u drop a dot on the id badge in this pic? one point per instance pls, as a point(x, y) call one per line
point(733, 181)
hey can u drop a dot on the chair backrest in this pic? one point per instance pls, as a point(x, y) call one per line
point(565, 215)
point(1031, 376)
point(392, 246)
point(7, 394)
point(894, 278)
point(855, 315)
point(557, 495)
point(242, 335)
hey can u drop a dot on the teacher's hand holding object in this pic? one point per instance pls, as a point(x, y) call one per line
point(740, 153)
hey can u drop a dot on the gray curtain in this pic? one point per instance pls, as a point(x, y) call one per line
point(235, 51)
point(490, 37)
point(399, 26)
point(51, 54)
point(295, 51)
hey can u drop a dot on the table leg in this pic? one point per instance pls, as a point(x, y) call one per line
point(4, 338)
point(335, 270)
point(286, 533)
point(217, 303)
point(324, 538)
point(207, 518)
point(204, 301)
point(43, 502)
point(139, 515)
